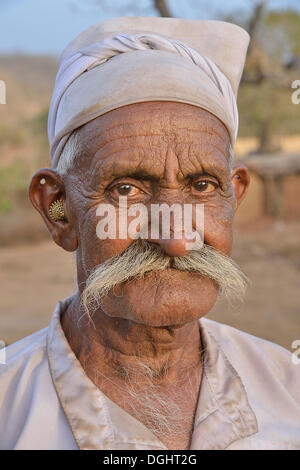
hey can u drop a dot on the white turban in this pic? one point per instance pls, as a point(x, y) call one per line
point(104, 69)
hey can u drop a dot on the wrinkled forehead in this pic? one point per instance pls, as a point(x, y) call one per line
point(141, 135)
point(168, 121)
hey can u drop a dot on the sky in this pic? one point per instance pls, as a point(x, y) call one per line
point(46, 26)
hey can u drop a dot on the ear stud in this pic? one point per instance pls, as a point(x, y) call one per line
point(56, 210)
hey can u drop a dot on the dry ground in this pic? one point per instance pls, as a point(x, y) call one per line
point(34, 277)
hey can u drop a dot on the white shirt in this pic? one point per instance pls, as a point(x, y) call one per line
point(249, 396)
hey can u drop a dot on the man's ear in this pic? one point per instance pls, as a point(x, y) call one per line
point(45, 188)
point(240, 181)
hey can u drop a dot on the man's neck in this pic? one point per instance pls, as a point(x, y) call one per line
point(114, 344)
point(132, 363)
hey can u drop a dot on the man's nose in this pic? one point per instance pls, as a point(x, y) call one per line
point(174, 245)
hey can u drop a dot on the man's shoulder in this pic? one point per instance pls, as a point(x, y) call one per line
point(258, 361)
point(30, 412)
point(230, 337)
point(249, 353)
point(32, 346)
point(22, 361)
point(270, 378)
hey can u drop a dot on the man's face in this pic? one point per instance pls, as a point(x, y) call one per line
point(154, 153)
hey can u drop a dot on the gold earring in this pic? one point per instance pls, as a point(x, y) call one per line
point(56, 210)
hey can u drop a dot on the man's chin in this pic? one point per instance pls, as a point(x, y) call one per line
point(165, 298)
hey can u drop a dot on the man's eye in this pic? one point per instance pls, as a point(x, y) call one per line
point(204, 186)
point(125, 190)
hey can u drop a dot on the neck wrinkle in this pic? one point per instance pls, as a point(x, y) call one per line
point(119, 358)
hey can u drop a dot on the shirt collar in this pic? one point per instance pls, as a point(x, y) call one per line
point(223, 413)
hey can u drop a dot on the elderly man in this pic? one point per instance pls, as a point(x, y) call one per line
point(144, 113)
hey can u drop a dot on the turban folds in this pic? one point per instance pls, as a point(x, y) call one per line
point(131, 60)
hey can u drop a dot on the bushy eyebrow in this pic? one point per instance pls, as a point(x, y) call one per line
point(143, 175)
point(197, 174)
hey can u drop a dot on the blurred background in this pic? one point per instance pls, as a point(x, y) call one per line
point(35, 273)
